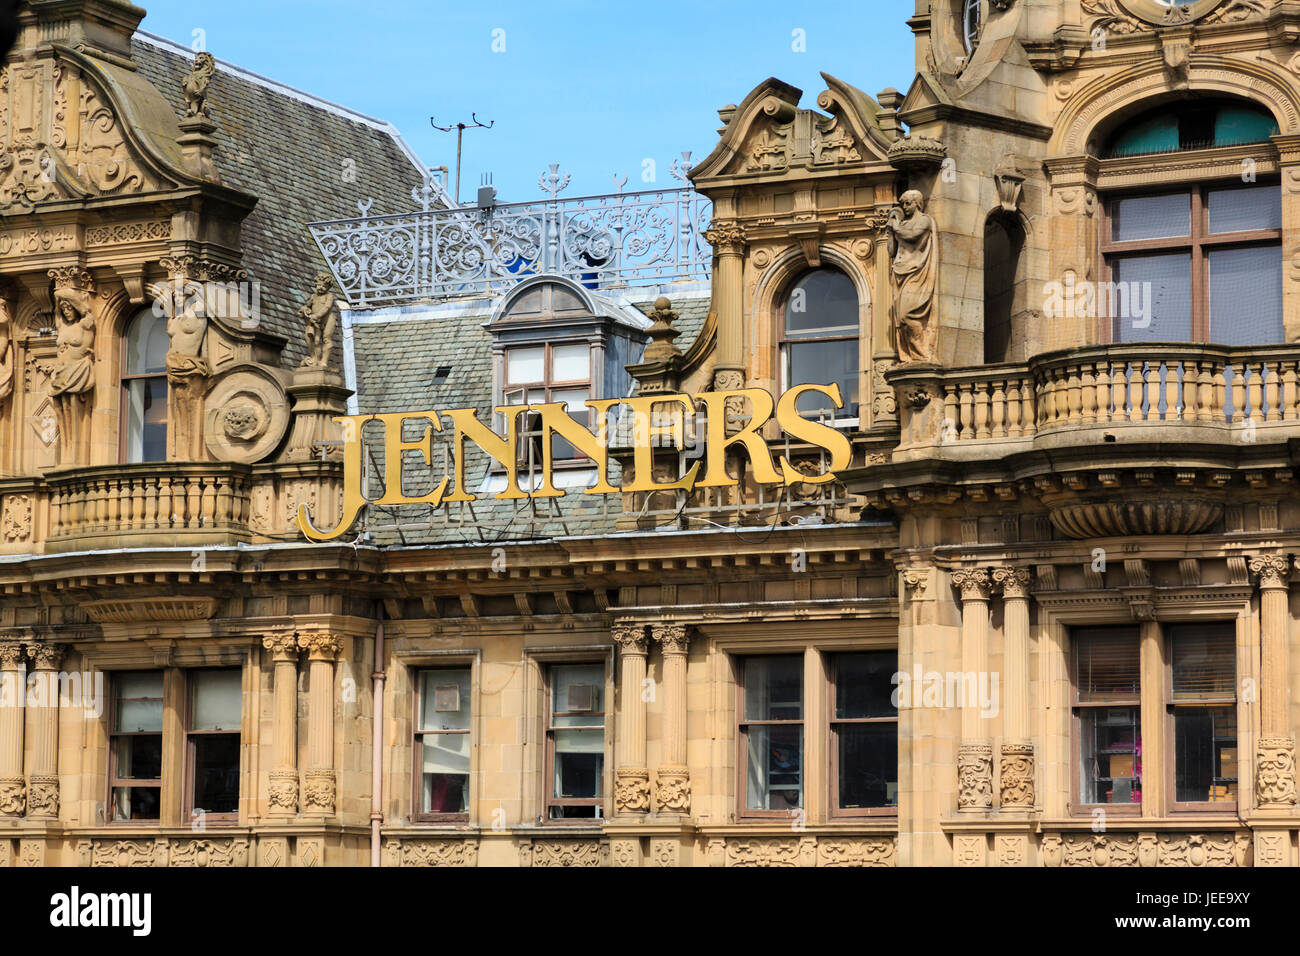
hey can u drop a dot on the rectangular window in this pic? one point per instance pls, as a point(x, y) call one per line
point(551, 374)
point(212, 742)
point(575, 741)
point(1199, 265)
point(135, 746)
point(1203, 706)
point(864, 731)
point(770, 734)
point(1108, 713)
point(442, 744)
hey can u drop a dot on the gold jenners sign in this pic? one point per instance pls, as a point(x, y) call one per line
point(553, 419)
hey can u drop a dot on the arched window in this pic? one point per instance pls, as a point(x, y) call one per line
point(819, 340)
point(144, 389)
point(1200, 261)
point(972, 19)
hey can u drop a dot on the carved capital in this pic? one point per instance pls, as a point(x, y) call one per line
point(630, 638)
point(973, 583)
point(43, 795)
point(726, 236)
point(47, 657)
point(283, 647)
point(320, 647)
point(318, 792)
point(632, 790)
point(13, 796)
point(916, 580)
point(1017, 776)
point(12, 655)
point(1275, 772)
point(673, 790)
point(675, 638)
point(1272, 570)
point(975, 777)
point(1012, 582)
point(283, 794)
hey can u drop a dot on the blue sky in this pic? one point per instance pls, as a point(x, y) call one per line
point(598, 87)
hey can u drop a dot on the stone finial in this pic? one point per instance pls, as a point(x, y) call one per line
point(662, 333)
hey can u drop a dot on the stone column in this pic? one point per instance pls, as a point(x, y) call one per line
point(884, 403)
point(728, 240)
point(283, 797)
point(1017, 769)
point(1288, 154)
point(318, 780)
point(13, 694)
point(43, 730)
point(673, 790)
point(975, 755)
point(1275, 762)
point(632, 778)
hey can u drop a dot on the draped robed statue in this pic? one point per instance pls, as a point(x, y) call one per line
point(912, 246)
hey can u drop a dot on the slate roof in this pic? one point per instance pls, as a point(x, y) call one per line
point(396, 362)
point(288, 149)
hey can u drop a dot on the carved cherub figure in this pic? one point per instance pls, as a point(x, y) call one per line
point(196, 84)
point(321, 315)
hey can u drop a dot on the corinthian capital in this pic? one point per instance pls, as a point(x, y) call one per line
point(11, 655)
point(674, 637)
point(726, 235)
point(46, 656)
point(1273, 570)
point(630, 638)
point(973, 582)
point(283, 647)
point(321, 647)
point(1012, 582)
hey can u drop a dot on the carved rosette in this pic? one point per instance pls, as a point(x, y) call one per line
point(1272, 570)
point(1017, 776)
point(726, 236)
point(631, 790)
point(674, 638)
point(320, 647)
point(1012, 582)
point(975, 777)
point(1275, 772)
point(673, 790)
point(630, 638)
point(318, 792)
point(283, 794)
point(13, 796)
point(43, 795)
point(973, 583)
point(283, 647)
point(46, 657)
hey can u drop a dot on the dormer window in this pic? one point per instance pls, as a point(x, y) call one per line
point(548, 374)
point(819, 341)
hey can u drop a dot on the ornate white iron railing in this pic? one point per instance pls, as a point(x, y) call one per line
point(620, 239)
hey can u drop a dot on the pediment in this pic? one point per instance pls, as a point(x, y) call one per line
point(64, 135)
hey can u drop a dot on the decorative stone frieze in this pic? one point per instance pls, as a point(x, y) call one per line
point(673, 790)
point(455, 853)
point(1017, 776)
point(318, 791)
point(631, 790)
point(563, 853)
point(1275, 772)
point(13, 795)
point(1147, 849)
point(43, 795)
point(282, 795)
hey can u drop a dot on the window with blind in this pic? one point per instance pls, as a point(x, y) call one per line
point(442, 745)
point(1203, 707)
point(1197, 265)
point(136, 747)
point(575, 741)
point(212, 736)
point(770, 734)
point(1108, 715)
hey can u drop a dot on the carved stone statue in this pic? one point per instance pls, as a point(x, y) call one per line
point(73, 378)
point(196, 85)
point(6, 353)
point(321, 313)
point(913, 246)
point(187, 372)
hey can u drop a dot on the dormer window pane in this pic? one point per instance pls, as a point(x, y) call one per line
point(525, 365)
point(572, 363)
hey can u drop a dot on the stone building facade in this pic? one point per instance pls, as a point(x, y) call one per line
point(1041, 618)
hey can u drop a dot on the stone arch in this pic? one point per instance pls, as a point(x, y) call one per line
point(1100, 106)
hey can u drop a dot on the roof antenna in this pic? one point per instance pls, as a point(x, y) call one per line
point(460, 133)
